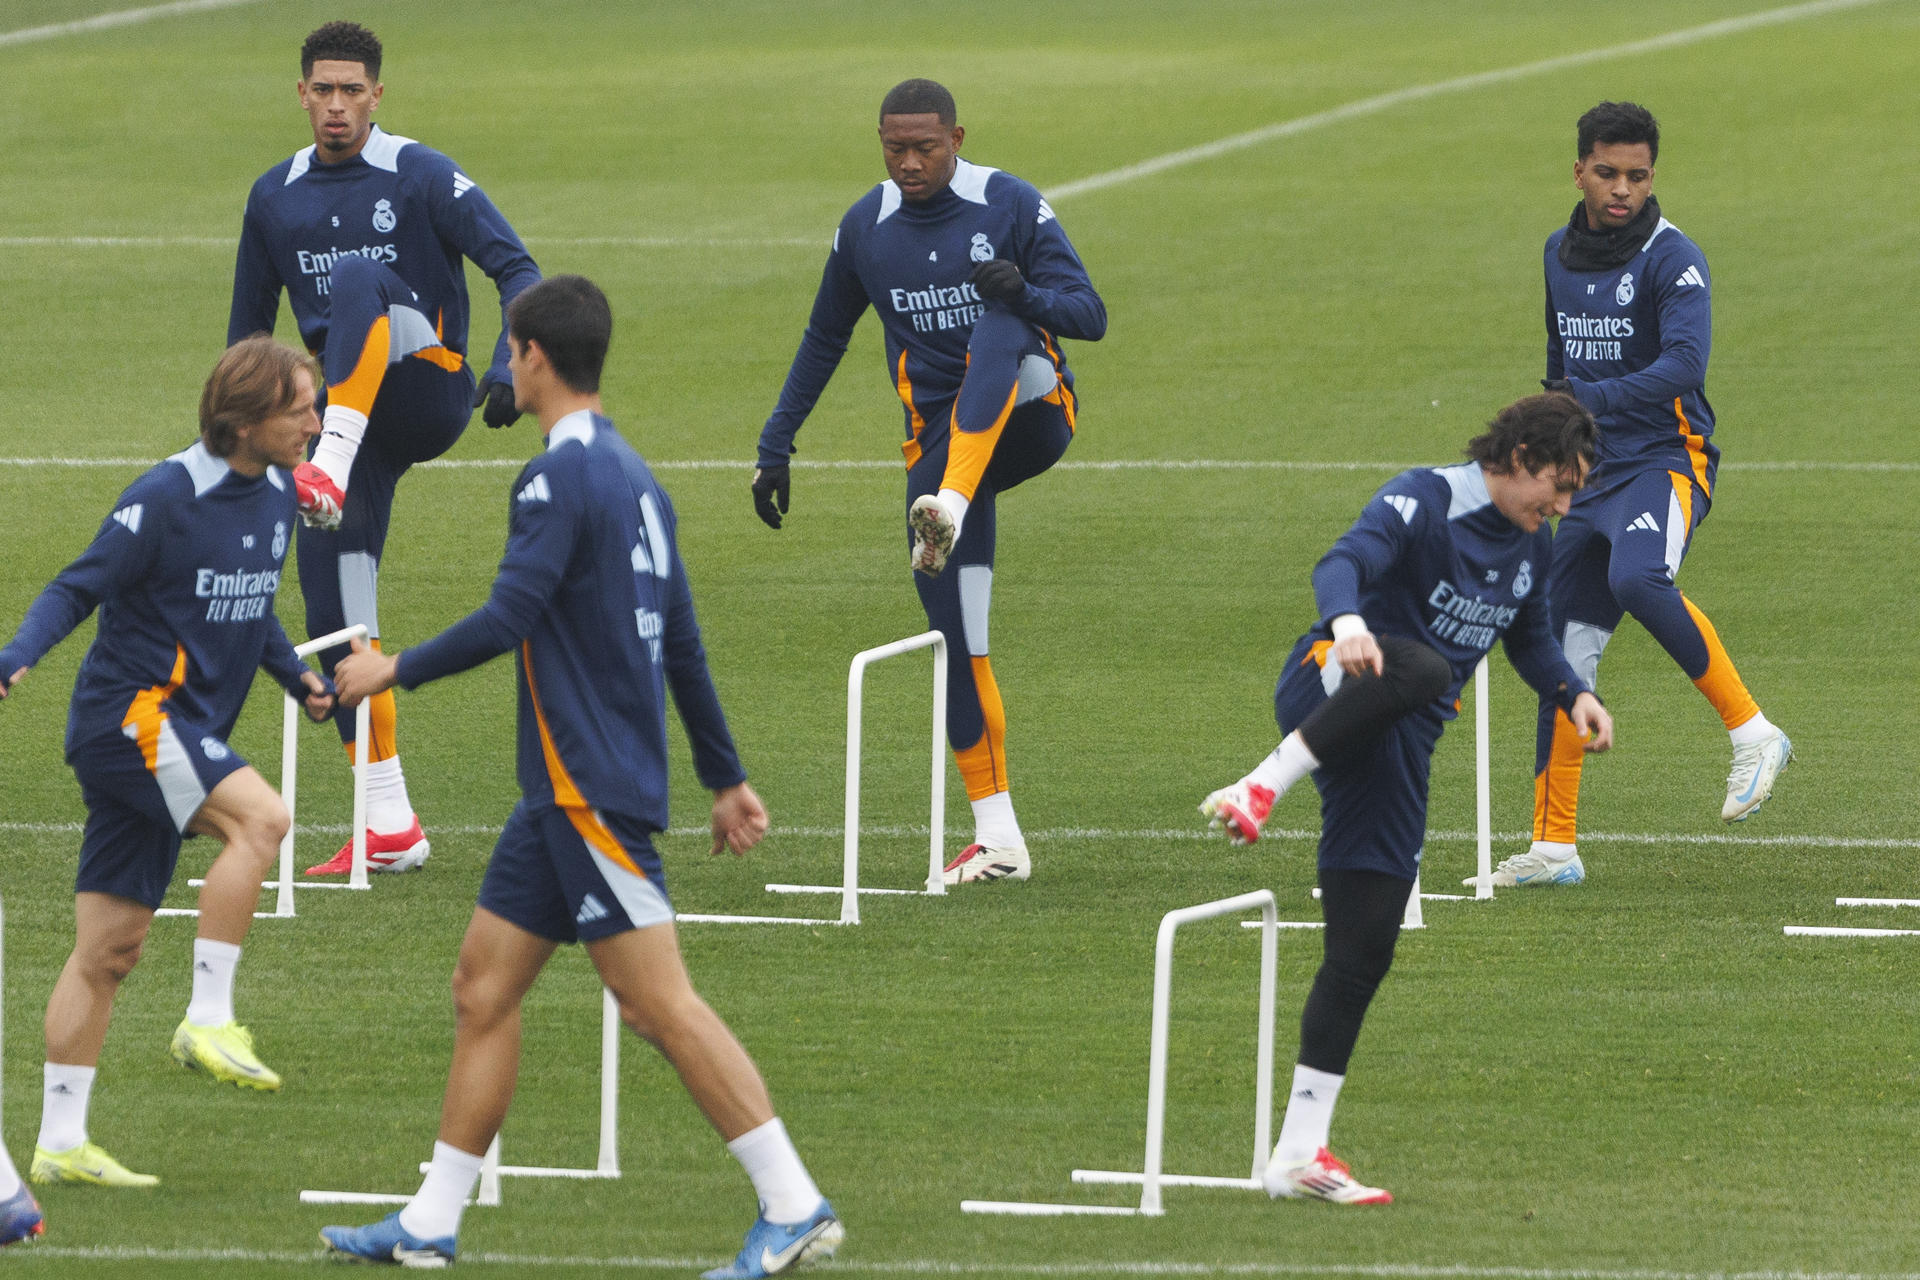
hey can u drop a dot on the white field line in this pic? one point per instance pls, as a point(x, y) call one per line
point(945, 1266)
point(1163, 835)
point(1459, 84)
point(744, 464)
point(120, 18)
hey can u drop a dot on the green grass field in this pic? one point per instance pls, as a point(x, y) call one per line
point(1640, 1078)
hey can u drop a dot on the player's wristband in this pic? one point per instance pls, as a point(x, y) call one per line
point(1348, 624)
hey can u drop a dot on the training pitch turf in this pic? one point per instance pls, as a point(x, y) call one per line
point(1639, 1077)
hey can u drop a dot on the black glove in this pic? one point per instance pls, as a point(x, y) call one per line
point(498, 399)
point(770, 484)
point(998, 280)
point(1561, 385)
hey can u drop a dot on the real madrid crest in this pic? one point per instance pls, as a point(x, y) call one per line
point(279, 539)
point(1523, 580)
point(981, 249)
point(384, 218)
point(1623, 292)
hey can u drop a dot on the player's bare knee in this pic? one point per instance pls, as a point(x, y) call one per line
point(479, 1000)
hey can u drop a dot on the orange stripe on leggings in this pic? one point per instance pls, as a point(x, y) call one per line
point(383, 714)
point(1556, 790)
point(362, 387)
point(1720, 682)
point(983, 765)
point(970, 451)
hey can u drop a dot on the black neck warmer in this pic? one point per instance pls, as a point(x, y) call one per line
point(1584, 249)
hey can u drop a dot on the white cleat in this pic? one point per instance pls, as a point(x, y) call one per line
point(1544, 864)
point(1325, 1177)
point(1755, 767)
point(934, 532)
point(978, 863)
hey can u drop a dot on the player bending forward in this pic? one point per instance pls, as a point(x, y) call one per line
point(593, 598)
point(183, 573)
point(1441, 563)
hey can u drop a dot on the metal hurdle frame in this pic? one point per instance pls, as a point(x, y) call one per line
point(1152, 1178)
point(606, 1164)
point(289, 784)
point(850, 889)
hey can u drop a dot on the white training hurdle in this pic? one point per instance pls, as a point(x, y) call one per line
point(606, 1164)
point(1151, 1179)
point(850, 888)
point(289, 786)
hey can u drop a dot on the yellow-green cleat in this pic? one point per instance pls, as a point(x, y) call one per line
point(225, 1053)
point(88, 1164)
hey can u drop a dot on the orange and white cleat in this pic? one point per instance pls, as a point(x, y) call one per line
point(1325, 1177)
point(386, 851)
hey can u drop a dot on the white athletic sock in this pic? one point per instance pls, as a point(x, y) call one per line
point(1287, 764)
point(341, 431)
point(213, 965)
point(388, 808)
point(1756, 728)
point(63, 1106)
point(956, 505)
point(786, 1190)
point(1309, 1116)
point(1552, 849)
point(9, 1176)
point(994, 824)
point(434, 1212)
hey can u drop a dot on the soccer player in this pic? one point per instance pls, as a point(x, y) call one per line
point(1440, 565)
point(593, 599)
point(975, 283)
point(183, 573)
point(1629, 323)
point(365, 230)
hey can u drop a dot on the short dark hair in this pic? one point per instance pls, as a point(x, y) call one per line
point(1618, 122)
point(252, 381)
point(1550, 430)
point(341, 42)
point(570, 318)
point(919, 98)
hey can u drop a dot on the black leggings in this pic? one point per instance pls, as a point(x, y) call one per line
point(1363, 910)
point(1365, 706)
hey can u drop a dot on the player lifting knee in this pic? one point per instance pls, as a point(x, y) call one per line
point(1440, 566)
point(975, 283)
point(365, 231)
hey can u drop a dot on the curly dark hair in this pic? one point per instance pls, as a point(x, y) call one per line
point(341, 42)
point(1618, 122)
point(1549, 430)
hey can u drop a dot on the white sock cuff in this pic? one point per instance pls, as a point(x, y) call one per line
point(214, 949)
point(454, 1160)
point(754, 1140)
point(341, 431)
point(994, 823)
point(1756, 728)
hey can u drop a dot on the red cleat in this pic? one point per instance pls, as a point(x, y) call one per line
point(318, 498)
point(395, 851)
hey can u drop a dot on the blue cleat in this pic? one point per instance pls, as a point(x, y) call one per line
point(20, 1217)
point(388, 1241)
point(774, 1248)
